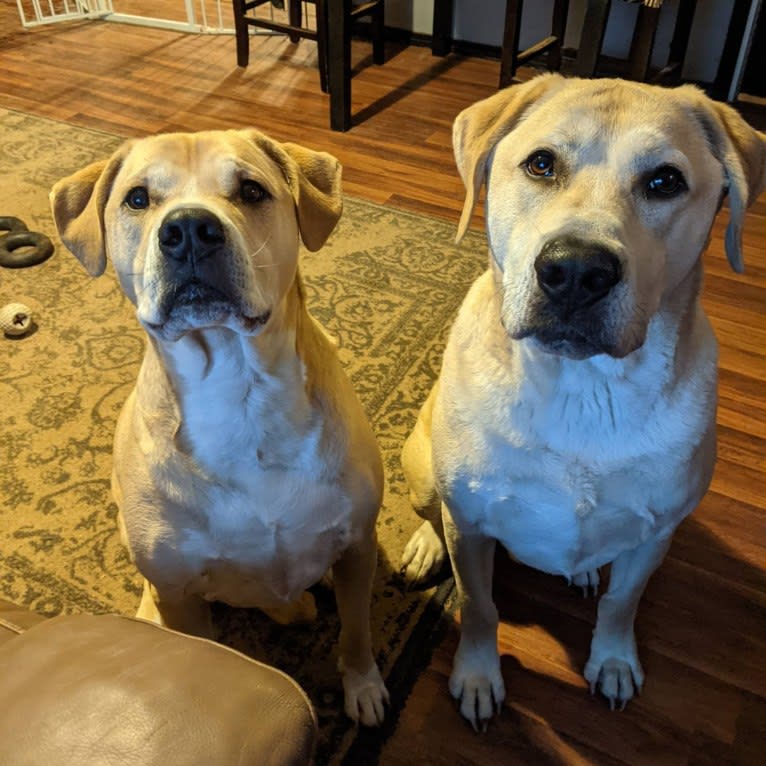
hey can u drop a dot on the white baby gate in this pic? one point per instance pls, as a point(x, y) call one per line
point(206, 16)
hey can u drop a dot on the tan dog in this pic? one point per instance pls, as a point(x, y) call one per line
point(574, 417)
point(244, 466)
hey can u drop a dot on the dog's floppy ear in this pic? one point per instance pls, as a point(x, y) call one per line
point(314, 180)
point(317, 193)
point(478, 129)
point(742, 152)
point(78, 203)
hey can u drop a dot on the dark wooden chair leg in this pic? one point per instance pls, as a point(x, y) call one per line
point(510, 49)
point(558, 30)
point(295, 16)
point(339, 63)
point(377, 21)
point(681, 35)
point(322, 31)
point(241, 33)
point(441, 34)
point(592, 38)
point(642, 43)
point(727, 67)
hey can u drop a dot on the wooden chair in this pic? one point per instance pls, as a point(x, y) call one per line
point(642, 43)
point(295, 30)
point(511, 57)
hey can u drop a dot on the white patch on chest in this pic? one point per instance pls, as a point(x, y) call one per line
point(250, 555)
point(586, 460)
point(263, 513)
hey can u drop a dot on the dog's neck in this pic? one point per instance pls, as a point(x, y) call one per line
point(224, 398)
point(219, 362)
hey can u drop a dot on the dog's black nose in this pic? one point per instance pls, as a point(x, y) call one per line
point(575, 274)
point(190, 234)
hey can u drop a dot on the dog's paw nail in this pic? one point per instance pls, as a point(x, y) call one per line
point(476, 724)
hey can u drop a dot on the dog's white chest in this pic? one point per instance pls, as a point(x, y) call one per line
point(272, 529)
point(568, 475)
point(563, 520)
point(255, 509)
point(264, 548)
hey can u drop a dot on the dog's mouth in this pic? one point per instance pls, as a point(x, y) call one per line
point(573, 340)
point(571, 346)
point(195, 293)
point(196, 305)
point(567, 342)
point(592, 331)
point(574, 343)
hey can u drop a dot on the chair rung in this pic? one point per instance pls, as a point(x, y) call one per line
point(309, 34)
point(364, 9)
point(254, 4)
point(537, 48)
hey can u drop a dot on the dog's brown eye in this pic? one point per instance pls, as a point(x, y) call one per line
point(540, 164)
point(666, 181)
point(252, 191)
point(137, 198)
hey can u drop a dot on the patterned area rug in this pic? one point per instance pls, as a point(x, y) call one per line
point(387, 285)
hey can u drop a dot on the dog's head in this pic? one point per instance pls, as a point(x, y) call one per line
point(600, 199)
point(202, 228)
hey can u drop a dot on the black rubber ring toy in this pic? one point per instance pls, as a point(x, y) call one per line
point(42, 249)
point(9, 224)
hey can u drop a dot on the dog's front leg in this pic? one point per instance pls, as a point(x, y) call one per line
point(426, 551)
point(476, 681)
point(613, 666)
point(365, 693)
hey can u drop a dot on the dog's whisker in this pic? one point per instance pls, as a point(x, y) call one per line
point(263, 244)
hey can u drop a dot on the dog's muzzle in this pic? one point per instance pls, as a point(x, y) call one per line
point(193, 243)
point(570, 315)
point(201, 286)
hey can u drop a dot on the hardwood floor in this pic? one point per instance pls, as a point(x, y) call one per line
point(702, 624)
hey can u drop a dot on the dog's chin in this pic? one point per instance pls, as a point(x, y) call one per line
point(174, 327)
point(194, 310)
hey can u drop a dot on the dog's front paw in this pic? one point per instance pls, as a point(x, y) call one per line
point(588, 581)
point(477, 684)
point(424, 555)
point(616, 672)
point(366, 696)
